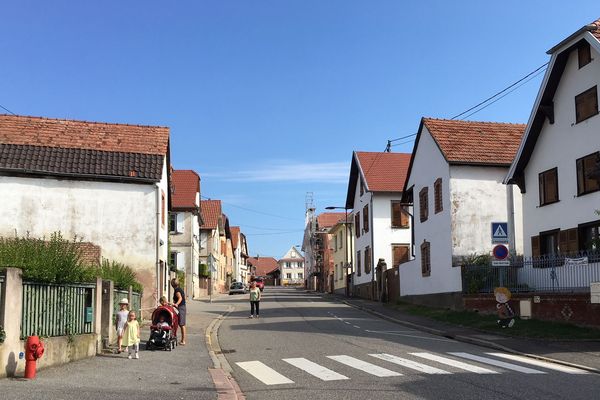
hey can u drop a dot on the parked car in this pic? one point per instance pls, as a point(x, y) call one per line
point(260, 283)
point(237, 288)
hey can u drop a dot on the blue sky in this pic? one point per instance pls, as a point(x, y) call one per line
point(268, 99)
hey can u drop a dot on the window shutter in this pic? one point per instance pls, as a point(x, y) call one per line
point(573, 240)
point(357, 224)
point(563, 242)
point(535, 246)
point(396, 214)
point(404, 217)
point(180, 222)
point(437, 188)
point(580, 177)
point(180, 261)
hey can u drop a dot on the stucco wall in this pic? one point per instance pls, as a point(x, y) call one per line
point(559, 145)
point(119, 217)
point(384, 236)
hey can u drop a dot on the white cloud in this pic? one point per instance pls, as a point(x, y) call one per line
point(286, 171)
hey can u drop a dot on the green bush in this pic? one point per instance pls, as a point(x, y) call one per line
point(203, 270)
point(50, 261)
point(122, 275)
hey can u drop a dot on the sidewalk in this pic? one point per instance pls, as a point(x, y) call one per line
point(582, 353)
point(180, 374)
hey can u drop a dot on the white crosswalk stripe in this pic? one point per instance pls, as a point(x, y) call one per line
point(265, 374)
point(501, 364)
point(364, 366)
point(454, 363)
point(540, 363)
point(410, 364)
point(325, 374)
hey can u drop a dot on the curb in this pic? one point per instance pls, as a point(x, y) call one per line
point(470, 340)
point(227, 387)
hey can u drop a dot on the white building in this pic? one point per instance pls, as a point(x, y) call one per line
point(184, 227)
point(381, 223)
point(103, 183)
point(291, 267)
point(455, 184)
point(240, 255)
point(557, 166)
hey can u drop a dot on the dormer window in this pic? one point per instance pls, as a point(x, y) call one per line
point(584, 54)
point(586, 104)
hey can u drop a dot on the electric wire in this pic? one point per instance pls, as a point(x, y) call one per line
point(7, 110)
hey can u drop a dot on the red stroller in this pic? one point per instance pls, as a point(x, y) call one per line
point(163, 331)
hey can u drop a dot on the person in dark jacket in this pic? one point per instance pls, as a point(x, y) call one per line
point(179, 302)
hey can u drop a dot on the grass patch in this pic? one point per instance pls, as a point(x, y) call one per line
point(531, 328)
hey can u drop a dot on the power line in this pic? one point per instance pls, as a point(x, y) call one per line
point(502, 91)
point(504, 95)
point(7, 110)
point(254, 211)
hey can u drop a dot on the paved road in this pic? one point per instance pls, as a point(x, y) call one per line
point(304, 346)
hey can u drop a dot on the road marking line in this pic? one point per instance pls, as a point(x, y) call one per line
point(540, 363)
point(497, 363)
point(356, 326)
point(454, 363)
point(346, 322)
point(412, 336)
point(364, 366)
point(324, 374)
point(410, 364)
point(265, 374)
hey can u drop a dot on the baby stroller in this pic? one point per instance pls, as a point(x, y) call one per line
point(163, 335)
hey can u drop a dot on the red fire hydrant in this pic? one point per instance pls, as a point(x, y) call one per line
point(34, 349)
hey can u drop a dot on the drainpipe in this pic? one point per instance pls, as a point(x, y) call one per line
point(372, 247)
point(510, 212)
point(158, 288)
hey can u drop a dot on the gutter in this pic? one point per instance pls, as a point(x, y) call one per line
point(157, 244)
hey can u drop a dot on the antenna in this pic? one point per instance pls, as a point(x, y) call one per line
point(309, 201)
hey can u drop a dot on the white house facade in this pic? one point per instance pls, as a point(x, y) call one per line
point(291, 267)
point(102, 183)
point(210, 243)
point(380, 218)
point(240, 255)
point(558, 163)
point(455, 185)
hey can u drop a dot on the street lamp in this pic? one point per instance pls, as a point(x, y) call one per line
point(346, 244)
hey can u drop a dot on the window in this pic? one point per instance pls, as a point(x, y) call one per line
point(358, 263)
point(549, 242)
point(300, 275)
point(342, 238)
point(362, 187)
point(586, 166)
point(288, 275)
point(173, 259)
point(548, 181)
point(366, 218)
point(288, 264)
point(589, 236)
point(425, 258)
point(172, 222)
point(357, 224)
point(399, 254)
point(437, 196)
point(424, 204)
point(584, 54)
point(367, 260)
point(586, 104)
point(400, 217)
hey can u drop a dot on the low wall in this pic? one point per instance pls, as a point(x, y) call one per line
point(451, 300)
point(393, 285)
point(364, 291)
point(574, 308)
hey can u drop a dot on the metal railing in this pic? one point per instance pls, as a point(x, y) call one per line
point(57, 310)
point(552, 273)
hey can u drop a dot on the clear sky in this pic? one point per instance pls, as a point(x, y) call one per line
point(267, 99)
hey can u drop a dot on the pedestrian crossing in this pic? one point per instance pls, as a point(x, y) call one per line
point(413, 362)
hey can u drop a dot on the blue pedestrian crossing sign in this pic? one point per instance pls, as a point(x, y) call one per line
point(499, 232)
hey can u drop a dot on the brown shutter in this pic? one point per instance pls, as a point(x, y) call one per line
point(357, 224)
point(580, 177)
point(573, 240)
point(404, 217)
point(396, 255)
point(396, 214)
point(535, 246)
point(563, 242)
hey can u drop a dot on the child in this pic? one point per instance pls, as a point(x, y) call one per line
point(131, 338)
point(121, 320)
point(163, 301)
point(254, 300)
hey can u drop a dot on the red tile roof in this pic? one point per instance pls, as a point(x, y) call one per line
point(329, 219)
point(264, 265)
point(185, 184)
point(384, 172)
point(474, 142)
point(71, 134)
point(235, 236)
point(211, 212)
point(596, 32)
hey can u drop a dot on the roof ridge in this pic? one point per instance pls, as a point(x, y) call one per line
point(471, 121)
point(83, 121)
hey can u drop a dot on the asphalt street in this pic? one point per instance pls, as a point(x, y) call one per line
point(305, 346)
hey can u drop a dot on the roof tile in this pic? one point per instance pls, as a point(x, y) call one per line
point(211, 212)
point(384, 172)
point(329, 219)
point(186, 185)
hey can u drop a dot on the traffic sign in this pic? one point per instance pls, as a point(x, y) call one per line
point(499, 232)
point(500, 253)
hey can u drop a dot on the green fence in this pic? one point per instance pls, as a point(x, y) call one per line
point(136, 301)
point(57, 310)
